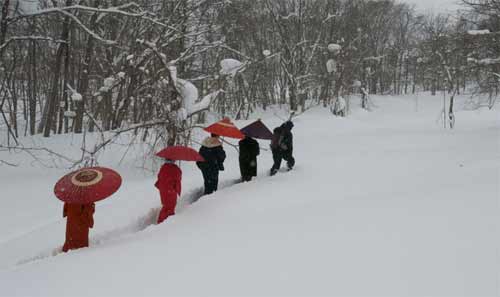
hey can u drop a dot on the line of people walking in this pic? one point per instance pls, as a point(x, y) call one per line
point(82, 188)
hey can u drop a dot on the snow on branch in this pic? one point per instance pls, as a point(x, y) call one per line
point(375, 59)
point(90, 32)
point(235, 51)
point(146, 15)
point(188, 93)
point(115, 10)
point(32, 150)
point(204, 104)
point(190, 52)
point(484, 62)
point(39, 38)
point(478, 32)
point(290, 15)
point(231, 67)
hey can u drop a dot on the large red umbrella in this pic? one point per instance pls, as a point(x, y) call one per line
point(225, 128)
point(87, 185)
point(182, 153)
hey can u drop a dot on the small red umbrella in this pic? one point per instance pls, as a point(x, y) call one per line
point(225, 128)
point(87, 185)
point(180, 153)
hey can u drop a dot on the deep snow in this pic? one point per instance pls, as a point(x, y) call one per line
point(382, 203)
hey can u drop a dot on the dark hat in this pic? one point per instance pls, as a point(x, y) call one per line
point(287, 125)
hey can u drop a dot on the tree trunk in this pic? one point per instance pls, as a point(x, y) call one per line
point(292, 95)
point(54, 94)
point(32, 85)
point(4, 24)
point(62, 108)
point(451, 114)
point(84, 81)
point(13, 107)
point(433, 86)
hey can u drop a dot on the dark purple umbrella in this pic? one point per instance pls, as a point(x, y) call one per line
point(258, 130)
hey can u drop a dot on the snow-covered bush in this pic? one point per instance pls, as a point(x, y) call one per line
point(331, 66)
point(230, 67)
point(334, 48)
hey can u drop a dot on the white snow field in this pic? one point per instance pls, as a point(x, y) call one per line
point(382, 203)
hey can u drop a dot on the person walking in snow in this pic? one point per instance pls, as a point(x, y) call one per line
point(282, 146)
point(211, 150)
point(249, 150)
point(169, 185)
point(80, 218)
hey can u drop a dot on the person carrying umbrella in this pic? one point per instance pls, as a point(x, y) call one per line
point(282, 147)
point(79, 190)
point(170, 176)
point(212, 151)
point(169, 185)
point(80, 220)
point(249, 150)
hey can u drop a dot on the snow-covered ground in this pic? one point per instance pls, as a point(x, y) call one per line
point(382, 203)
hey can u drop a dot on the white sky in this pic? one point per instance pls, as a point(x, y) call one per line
point(435, 5)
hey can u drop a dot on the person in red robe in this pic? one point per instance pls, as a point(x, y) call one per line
point(80, 220)
point(169, 185)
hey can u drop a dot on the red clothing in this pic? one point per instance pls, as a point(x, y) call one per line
point(169, 184)
point(80, 219)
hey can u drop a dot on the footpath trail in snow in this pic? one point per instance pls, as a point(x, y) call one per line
point(382, 203)
point(136, 225)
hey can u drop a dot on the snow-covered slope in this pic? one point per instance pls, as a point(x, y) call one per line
point(383, 203)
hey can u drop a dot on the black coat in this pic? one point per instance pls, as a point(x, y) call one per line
point(214, 155)
point(249, 150)
point(282, 142)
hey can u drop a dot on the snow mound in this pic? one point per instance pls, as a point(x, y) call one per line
point(69, 114)
point(478, 32)
point(331, 66)
point(204, 103)
point(423, 222)
point(76, 96)
point(333, 47)
point(188, 93)
point(230, 67)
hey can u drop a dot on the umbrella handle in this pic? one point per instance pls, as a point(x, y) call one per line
point(230, 144)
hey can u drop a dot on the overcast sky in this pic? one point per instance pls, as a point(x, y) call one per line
point(434, 5)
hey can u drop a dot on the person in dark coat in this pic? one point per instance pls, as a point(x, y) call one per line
point(249, 150)
point(282, 146)
point(211, 150)
point(80, 220)
point(169, 185)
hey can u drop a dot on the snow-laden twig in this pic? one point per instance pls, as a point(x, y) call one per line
point(30, 150)
point(8, 163)
point(90, 32)
point(115, 10)
point(37, 38)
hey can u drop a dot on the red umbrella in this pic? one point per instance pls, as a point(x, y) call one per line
point(87, 185)
point(183, 153)
point(225, 128)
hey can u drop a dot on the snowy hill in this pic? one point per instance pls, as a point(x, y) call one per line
point(382, 203)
